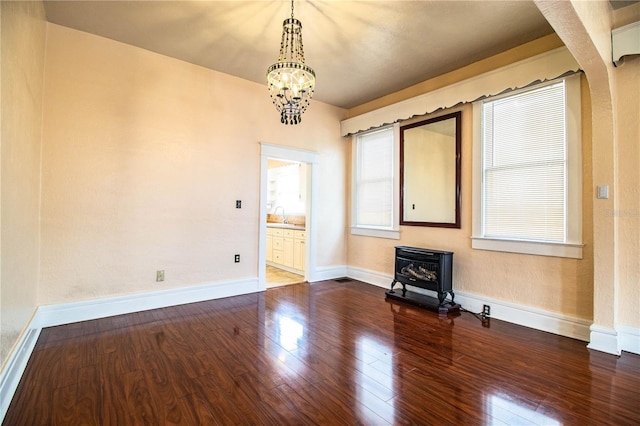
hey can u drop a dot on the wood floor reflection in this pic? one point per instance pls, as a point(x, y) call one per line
point(326, 353)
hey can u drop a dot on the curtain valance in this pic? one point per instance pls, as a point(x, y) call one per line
point(545, 66)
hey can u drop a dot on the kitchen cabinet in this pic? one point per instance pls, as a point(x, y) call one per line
point(299, 249)
point(286, 248)
point(269, 244)
point(277, 246)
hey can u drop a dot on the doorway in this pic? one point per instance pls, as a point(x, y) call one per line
point(287, 219)
point(286, 222)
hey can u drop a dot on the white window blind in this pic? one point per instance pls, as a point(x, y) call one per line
point(374, 179)
point(524, 166)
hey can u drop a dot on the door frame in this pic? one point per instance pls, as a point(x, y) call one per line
point(301, 156)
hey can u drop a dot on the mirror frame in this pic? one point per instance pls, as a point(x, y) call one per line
point(458, 124)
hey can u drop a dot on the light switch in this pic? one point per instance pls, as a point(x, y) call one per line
point(603, 192)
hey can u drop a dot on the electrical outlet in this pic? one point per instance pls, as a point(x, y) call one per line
point(159, 276)
point(238, 204)
point(236, 258)
point(486, 310)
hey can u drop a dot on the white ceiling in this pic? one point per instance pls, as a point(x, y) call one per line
point(360, 50)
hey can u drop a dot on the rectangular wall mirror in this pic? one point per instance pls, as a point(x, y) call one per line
point(430, 172)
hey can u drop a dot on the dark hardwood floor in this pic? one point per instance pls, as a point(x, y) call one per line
point(326, 353)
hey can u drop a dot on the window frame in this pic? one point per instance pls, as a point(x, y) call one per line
point(572, 246)
point(390, 232)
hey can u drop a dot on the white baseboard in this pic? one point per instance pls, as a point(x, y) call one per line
point(328, 273)
point(615, 340)
point(629, 339)
point(65, 313)
point(563, 325)
point(14, 368)
point(370, 277)
point(551, 322)
point(604, 339)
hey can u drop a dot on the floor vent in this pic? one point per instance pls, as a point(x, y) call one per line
point(343, 280)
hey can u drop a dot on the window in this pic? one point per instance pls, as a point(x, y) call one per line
point(287, 187)
point(527, 171)
point(375, 184)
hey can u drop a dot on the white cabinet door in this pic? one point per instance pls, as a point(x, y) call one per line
point(278, 257)
point(288, 252)
point(299, 249)
point(298, 254)
point(269, 247)
point(286, 247)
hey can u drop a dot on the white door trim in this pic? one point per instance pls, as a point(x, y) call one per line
point(291, 154)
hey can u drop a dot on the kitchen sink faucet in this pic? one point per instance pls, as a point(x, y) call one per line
point(284, 218)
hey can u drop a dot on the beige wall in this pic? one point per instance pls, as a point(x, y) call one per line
point(23, 45)
point(610, 296)
point(554, 284)
point(143, 159)
point(586, 29)
point(628, 209)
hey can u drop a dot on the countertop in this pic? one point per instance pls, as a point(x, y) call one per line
point(285, 226)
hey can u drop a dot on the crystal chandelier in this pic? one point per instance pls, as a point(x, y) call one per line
point(290, 81)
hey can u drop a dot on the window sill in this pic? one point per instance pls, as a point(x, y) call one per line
point(376, 232)
point(569, 250)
